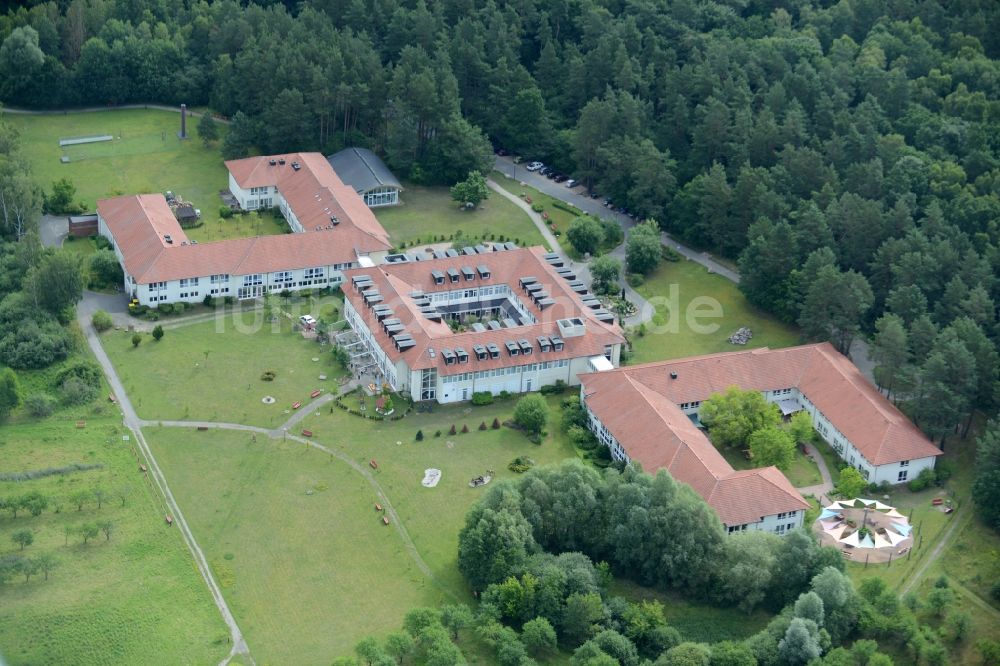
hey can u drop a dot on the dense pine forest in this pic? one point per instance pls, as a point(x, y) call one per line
point(845, 154)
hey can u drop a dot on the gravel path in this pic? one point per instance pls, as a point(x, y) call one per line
point(824, 488)
point(936, 553)
point(133, 423)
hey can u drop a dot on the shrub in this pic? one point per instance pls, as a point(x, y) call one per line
point(230, 300)
point(521, 464)
point(180, 307)
point(482, 425)
point(420, 436)
point(152, 315)
point(157, 332)
point(40, 405)
point(225, 212)
point(531, 413)
point(136, 339)
point(562, 205)
point(268, 376)
point(482, 398)
point(101, 321)
point(76, 391)
point(465, 428)
point(496, 424)
point(923, 480)
point(86, 371)
point(557, 388)
point(537, 207)
point(437, 433)
point(504, 395)
point(452, 430)
point(670, 254)
point(101, 242)
point(635, 280)
point(165, 308)
point(209, 302)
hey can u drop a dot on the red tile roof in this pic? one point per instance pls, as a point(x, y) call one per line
point(139, 224)
point(395, 282)
point(654, 432)
point(314, 191)
point(880, 432)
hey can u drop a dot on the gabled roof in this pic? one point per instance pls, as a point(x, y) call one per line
point(314, 191)
point(397, 282)
point(140, 223)
point(657, 434)
point(880, 432)
point(362, 169)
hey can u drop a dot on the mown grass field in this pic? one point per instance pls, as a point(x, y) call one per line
point(136, 598)
point(174, 378)
point(146, 156)
point(308, 575)
point(428, 213)
point(266, 223)
point(683, 292)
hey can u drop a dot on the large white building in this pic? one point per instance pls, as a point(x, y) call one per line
point(334, 231)
point(649, 414)
point(532, 323)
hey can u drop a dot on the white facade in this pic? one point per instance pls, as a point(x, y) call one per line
point(779, 524)
point(893, 473)
point(523, 374)
point(261, 198)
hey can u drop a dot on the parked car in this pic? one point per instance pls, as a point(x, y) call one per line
point(544, 171)
point(535, 166)
point(561, 178)
point(307, 321)
point(608, 203)
point(572, 183)
point(551, 175)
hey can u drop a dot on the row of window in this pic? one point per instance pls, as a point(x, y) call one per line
point(189, 282)
point(501, 372)
point(257, 191)
point(684, 405)
point(780, 529)
point(784, 391)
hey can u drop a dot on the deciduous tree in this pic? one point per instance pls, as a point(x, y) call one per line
point(732, 416)
point(772, 446)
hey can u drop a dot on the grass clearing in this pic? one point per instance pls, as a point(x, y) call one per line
point(428, 213)
point(212, 370)
point(801, 473)
point(136, 598)
point(310, 575)
point(696, 622)
point(146, 156)
point(264, 223)
point(684, 294)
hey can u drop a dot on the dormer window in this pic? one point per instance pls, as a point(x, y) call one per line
point(462, 356)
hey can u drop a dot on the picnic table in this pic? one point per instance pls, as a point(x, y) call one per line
point(373, 464)
point(937, 501)
point(170, 520)
point(142, 468)
point(378, 507)
point(315, 394)
point(307, 433)
point(385, 520)
point(296, 405)
point(111, 397)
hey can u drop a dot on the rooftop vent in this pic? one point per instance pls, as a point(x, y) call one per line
point(673, 375)
point(296, 166)
point(281, 161)
point(168, 239)
point(571, 328)
point(272, 161)
point(334, 221)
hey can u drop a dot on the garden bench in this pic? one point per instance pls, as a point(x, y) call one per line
point(307, 433)
point(202, 428)
point(142, 468)
point(937, 501)
point(378, 507)
point(170, 520)
point(315, 394)
point(373, 464)
point(385, 520)
point(111, 398)
point(296, 405)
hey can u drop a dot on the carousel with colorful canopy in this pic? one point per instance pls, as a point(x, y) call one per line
point(865, 527)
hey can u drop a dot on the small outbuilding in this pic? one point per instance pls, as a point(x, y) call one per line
point(186, 214)
point(368, 175)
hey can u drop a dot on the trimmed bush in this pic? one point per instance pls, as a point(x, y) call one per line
point(157, 332)
point(465, 428)
point(482, 426)
point(482, 398)
point(496, 424)
point(267, 376)
point(166, 308)
point(635, 280)
point(452, 430)
point(420, 436)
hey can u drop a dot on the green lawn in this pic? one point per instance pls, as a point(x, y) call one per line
point(308, 575)
point(266, 223)
point(134, 599)
point(683, 292)
point(174, 379)
point(428, 213)
point(696, 622)
point(146, 156)
point(802, 472)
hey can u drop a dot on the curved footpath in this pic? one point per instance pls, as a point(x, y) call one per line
point(859, 352)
